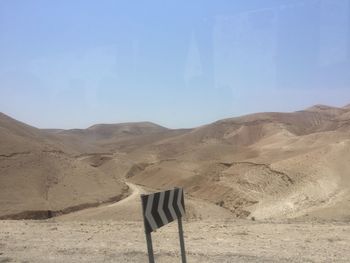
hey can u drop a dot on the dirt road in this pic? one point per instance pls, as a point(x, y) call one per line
point(135, 190)
point(129, 208)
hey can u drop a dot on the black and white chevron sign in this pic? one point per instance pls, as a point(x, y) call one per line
point(162, 208)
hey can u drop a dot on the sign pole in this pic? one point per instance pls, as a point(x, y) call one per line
point(159, 209)
point(182, 241)
point(150, 248)
point(148, 234)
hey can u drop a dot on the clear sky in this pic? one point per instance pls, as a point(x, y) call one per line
point(181, 63)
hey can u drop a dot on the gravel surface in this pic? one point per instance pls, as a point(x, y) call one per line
point(206, 241)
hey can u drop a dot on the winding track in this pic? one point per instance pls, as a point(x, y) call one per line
point(125, 209)
point(135, 193)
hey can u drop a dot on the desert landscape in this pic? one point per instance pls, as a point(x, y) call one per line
point(125, 120)
point(266, 187)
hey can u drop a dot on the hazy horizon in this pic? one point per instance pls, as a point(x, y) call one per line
point(178, 64)
point(141, 121)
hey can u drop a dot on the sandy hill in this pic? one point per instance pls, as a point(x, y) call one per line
point(16, 137)
point(264, 165)
point(40, 177)
point(347, 106)
point(53, 171)
point(113, 137)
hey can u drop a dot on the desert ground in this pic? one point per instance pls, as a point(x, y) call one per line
point(114, 233)
point(206, 241)
point(266, 187)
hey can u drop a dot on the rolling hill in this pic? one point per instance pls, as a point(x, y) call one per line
point(264, 165)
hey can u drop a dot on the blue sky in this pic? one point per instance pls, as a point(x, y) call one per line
point(71, 64)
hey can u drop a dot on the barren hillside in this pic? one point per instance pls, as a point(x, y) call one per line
point(40, 175)
point(265, 165)
point(268, 165)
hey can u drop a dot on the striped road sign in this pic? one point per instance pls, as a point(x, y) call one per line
point(160, 209)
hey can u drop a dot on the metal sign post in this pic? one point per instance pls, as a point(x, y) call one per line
point(148, 236)
point(159, 209)
point(182, 241)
